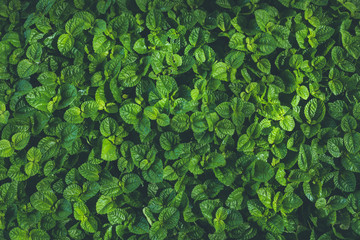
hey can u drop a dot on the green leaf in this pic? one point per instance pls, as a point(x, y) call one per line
point(180, 122)
point(355, 226)
point(89, 109)
point(105, 205)
point(219, 71)
point(32, 168)
point(140, 46)
point(154, 20)
point(319, 62)
point(275, 224)
point(296, 60)
point(224, 128)
point(351, 141)
point(129, 77)
point(337, 202)
point(262, 17)
point(33, 155)
point(303, 92)
point(26, 68)
point(90, 171)
point(117, 216)
point(245, 144)
point(198, 37)
point(348, 123)
point(345, 181)
point(264, 65)
point(108, 151)
point(169, 217)
point(280, 176)
point(265, 196)
point(131, 182)
point(263, 172)
point(214, 160)
point(219, 225)
point(65, 43)
point(163, 120)
point(235, 59)
point(356, 111)
point(81, 211)
point(18, 234)
point(129, 113)
point(74, 26)
point(108, 127)
point(40, 97)
point(198, 122)
point(168, 140)
point(223, 21)
point(43, 201)
point(34, 52)
point(290, 202)
point(155, 173)
point(335, 146)
point(351, 44)
point(351, 162)
point(73, 115)
point(288, 123)
point(237, 41)
point(336, 87)
point(166, 85)
point(101, 43)
point(6, 150)
point(68, 94)
point(224, 109)
point(314, 111)
point(89, 225)
point(255, 208)
point(323, 33)
point(39, 234)
point(224, 4)
point(304, 157)
point(235, 199)
point(49, 147)
point(157, 231)
point(47, 78)
point(266, 44)
point(281, 35)
point(208, 207)
point(20, 140)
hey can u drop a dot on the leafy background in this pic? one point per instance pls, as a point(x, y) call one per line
point(184, 119)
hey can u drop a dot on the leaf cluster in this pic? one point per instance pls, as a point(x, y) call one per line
point(179, 119)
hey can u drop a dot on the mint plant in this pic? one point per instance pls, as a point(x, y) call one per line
point(179, 119)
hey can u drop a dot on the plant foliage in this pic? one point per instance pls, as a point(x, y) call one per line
point(179, 119)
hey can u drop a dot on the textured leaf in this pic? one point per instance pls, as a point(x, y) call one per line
point(101, 43)
point(351, 141)
point(263, 172)
point(157, 231)
point(40, 97)
point(105, 205)
point(65, 43)
point(129, 113)
point(169, 217)
point(108, 151)
point(6, 150)
point(43, 202)
point(345, 181)
point(26, 68)
point(262, 17)
point(314, 111)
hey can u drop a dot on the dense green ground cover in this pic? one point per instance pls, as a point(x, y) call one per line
point(179, 119)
